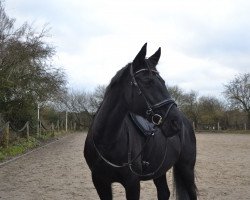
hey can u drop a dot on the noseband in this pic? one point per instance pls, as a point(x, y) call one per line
point(156, 119)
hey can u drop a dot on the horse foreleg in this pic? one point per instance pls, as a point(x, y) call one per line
point(132, 189)
point(161, 184)
point(103, 187)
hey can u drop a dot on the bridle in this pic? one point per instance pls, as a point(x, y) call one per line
point(156, 119)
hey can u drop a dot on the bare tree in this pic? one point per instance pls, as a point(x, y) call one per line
point(27, 75)
point(77, 103)
point(96, 97)
point(190, 106)
point(237, 93)
point(177, 94)
point(210, 110)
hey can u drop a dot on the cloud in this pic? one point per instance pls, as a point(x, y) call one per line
point(204, 43)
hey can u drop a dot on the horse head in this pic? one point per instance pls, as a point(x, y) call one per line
point(140, 87)
point(147, 95)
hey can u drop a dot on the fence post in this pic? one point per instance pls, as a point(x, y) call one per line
point(52, 129)
point(61, 125)
point(71, 126)
point(28, 130)
point(58, 124)
point(74, 126)
point(6, 135)
point(38, 129)
point(66, 121)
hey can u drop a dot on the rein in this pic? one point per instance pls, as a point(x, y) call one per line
point(130, 160)
point(129, 163)
point(156, 120)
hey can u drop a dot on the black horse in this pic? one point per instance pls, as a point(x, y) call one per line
point(117, 151)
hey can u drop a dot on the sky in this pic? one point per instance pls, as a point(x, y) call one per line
point(205, 43)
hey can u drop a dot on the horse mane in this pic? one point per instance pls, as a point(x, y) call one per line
point(116, 79)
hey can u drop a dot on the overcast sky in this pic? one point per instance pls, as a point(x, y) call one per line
point(204, 43)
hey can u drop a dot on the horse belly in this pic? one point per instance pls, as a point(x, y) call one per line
point(160, 156)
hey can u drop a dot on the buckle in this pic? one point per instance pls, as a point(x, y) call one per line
point(156, 119)
point(149, 111)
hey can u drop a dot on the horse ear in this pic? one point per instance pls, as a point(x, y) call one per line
point(155, 57)
point(141, 55)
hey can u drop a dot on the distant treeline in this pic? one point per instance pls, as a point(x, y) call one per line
point(32, 88)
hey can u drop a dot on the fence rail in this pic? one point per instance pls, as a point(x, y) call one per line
point(218, 126)
point(7, 128)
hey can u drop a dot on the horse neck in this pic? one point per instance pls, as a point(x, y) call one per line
point(108, 121)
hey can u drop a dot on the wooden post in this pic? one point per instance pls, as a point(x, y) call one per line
point(66, 121)
point(193, 125)
point(74, 126)
point(28, 130)
point(61, 125)
point(38, 119)
point(38, 128)
point(52, 129)
point(6, 135)
point(58, 124)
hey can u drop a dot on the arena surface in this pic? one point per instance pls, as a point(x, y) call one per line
point(58, 171)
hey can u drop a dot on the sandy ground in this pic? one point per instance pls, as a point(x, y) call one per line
point(58, 171)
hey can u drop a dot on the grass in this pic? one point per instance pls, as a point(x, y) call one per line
point(19, 147)
point(2, 156)
point(22, 145)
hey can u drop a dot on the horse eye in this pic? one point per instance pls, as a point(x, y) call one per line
point(148, 81)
